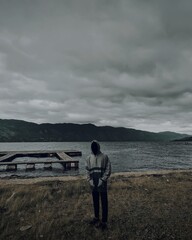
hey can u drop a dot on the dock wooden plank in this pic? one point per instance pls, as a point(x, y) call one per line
point(64, 156)
point(73, 153)
point(38, 162)
point(9, 156)
point(68, 152)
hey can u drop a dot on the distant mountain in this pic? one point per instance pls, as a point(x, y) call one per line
point(22, 131)
point(173, 135)
point(185, 139)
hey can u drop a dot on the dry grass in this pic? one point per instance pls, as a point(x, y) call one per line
point(145, 207)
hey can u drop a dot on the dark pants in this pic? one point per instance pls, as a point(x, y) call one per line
point(104, 204)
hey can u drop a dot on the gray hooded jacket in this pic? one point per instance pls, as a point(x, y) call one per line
point(98, 166)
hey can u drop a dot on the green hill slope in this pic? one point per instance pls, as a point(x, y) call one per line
point(22, 131)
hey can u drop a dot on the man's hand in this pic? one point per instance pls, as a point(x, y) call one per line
point(100, 183)
point(91, 183)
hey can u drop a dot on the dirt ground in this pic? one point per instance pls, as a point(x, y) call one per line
point(149, 205)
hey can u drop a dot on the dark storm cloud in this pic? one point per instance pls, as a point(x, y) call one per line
point(121, 63)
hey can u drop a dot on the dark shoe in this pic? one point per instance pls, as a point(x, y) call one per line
point(94, 221)
point(98, 224)
point(103, 226)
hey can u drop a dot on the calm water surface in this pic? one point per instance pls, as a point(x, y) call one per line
point(124, 156)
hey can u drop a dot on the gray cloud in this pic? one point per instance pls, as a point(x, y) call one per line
point(120, 63)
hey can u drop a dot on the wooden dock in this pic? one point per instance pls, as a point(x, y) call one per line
point(62, 157)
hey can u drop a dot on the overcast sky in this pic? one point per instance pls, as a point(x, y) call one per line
point(108, 62)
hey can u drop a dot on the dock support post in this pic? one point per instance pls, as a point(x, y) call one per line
point(76, 165)
point(30, 167)
point(11, 167)
point(68, 166)
point(48, 166)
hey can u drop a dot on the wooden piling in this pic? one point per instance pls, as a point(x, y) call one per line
point(11, 167)
point(30, 167)
point(48, 166)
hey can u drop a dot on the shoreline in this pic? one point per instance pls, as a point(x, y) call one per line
point(33, 180)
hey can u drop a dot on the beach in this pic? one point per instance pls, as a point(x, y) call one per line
point(142, 205)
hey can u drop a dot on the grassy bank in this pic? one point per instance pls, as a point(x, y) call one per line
point(155, 206)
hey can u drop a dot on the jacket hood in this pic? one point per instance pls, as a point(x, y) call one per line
point(95, 147)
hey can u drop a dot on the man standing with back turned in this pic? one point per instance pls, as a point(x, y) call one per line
point(98, 168)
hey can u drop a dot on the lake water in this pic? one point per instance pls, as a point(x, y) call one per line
point(124, 156)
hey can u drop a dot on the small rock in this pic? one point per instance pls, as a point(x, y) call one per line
point(24, 228)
